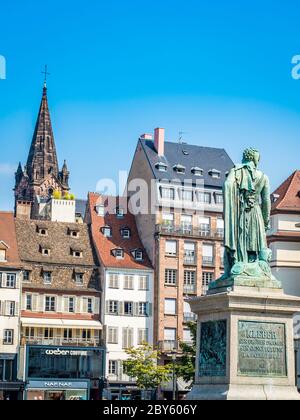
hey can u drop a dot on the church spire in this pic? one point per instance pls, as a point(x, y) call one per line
point(42, 159)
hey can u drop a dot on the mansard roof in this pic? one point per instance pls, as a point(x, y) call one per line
point(8, 237)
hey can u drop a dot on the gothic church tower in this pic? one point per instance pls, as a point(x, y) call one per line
point(41, 175)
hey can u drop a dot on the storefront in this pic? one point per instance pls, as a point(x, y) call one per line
point(10, 387)
point(63, 373)
point(58, 390)
point(122, 392)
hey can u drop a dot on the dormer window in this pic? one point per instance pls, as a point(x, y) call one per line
point(74, 233)
point(79, 277)
point(138, 254)
point(100, 210)
point(126, 233)
point(118, 253)
point(42, 231)
point(45, 251)
point(77, 253)
point(162, 167)
point(214, 173)
point(119, 212)
point(197, 171)
point(107, 231)
point(180, 169)
point(275, 197)
point(3, 251)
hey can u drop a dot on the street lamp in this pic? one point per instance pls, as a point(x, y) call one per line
point(174, 376)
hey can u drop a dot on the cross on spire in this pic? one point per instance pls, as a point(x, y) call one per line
point(45, 72)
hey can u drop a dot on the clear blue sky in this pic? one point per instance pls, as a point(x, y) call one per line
point(218, 70)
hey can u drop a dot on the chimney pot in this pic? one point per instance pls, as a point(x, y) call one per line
point(146, 137)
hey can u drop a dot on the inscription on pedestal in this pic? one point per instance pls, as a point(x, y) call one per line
point(262, 349)
point(212, 361)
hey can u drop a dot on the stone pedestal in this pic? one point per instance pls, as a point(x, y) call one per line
point(245, 348)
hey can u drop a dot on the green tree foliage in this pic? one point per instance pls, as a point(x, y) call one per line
point(57, 195)
point(142, 365)
point(185, 365)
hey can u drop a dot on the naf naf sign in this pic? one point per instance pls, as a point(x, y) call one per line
point(2, 68)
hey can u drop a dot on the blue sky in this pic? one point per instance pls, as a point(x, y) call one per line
point(219, 71)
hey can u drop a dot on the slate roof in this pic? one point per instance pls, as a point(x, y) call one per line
point(59, 241)
point(8, 236)
point(105, 245)
point(189, 156)
point(289, 195)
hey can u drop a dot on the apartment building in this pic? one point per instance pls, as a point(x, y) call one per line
point(182, 229)
point(61, 329)
point(10, 294)
point(127, 282)
point(284, 240)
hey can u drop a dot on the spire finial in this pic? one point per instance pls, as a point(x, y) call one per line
point(45, 72)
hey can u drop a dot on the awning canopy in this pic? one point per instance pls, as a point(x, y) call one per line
point(60, 323)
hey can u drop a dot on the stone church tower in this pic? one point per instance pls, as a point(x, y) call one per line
point(41, 176)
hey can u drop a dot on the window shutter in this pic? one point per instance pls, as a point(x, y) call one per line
point(35, 302)
point(59, 304)
point(125, 339)
point(65, 308)
point(41, 303)
point(121, 308)
point(3, 280)
point(150, 311)
point(107, 307)
point(140, 336)
point(130, 337)
point(135, 309)
point(84, 305)
point(97, 306)
point(78, 305)
point(24, 302)
point(17, 281)
point(7, 308)
point(17, 308)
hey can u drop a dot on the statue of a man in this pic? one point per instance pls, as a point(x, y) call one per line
point(247, 216)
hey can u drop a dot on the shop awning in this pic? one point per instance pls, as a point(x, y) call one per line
point(61, 323)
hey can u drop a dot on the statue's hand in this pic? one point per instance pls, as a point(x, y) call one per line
point(267, 225)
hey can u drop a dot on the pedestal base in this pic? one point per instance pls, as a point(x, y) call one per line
point(245, 348)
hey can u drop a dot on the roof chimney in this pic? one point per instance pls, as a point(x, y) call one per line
point(159, 141)
point(146, 137)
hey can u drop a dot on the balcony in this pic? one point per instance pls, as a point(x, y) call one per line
point(189, 317)
point(121, 377)
point(186, 231)
point(168, 346)
point(190, 260)
point(220, 233)
point(189, 289)
point(60, 342)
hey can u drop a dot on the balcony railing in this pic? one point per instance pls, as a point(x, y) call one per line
point(208, 261)
point(189, 288)
point(59, 341)
point(187, 230)
point(220, 233)
point(168, 345)
point(120, 377)
point(189, 317)
point(190, 260)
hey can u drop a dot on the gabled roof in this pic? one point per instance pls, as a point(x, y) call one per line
point(106, 245)
point(9, 240)
point(188, 156)
point(288, 195)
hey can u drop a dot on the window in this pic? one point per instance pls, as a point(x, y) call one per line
point(219, 199)
point(50, 304)
point(88, 305)
point(143, 309)
point(11, 280)
point(187, 336)
point(168, 193)
point(48, 333)
point(204, 197)
point(179, 169)
point(113, 367)
point(100, 210)
point(76, 253)
point(74, 233)
point(71, 305)
point(170, 334)
point(143, 283)
point(107, 231)
point(43, 231)
point(47, 275)
point(113, 307)
point(207, 277)
point(138, 255)
point(214, 173)
point(112, 335)
point(29, 333)
point(162, 167)
point(68, 334)
point(170, 306)
point(187, 195)
point(220, 228)
point(189, 253)
point(79, 279)
point(113, 282)
point(128, 308)
point(26, 276)
point(2, 253)
point(189, 278)
point(204, 223)
point(208, 254)
point(45, 252)
point(197, 171)
point(118, 253)
point(86, 335)
point(28, 302)
point(186, 223)
point(127, 341)
point(171, 248)
point(9, 308)
point(168, 219)
point(128, 282)
point(142, 336)
point(125, 233)
point(119, 212)
point(8, 337)
point(170, 277)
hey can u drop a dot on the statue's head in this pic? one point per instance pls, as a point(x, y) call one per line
point(251, 155)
